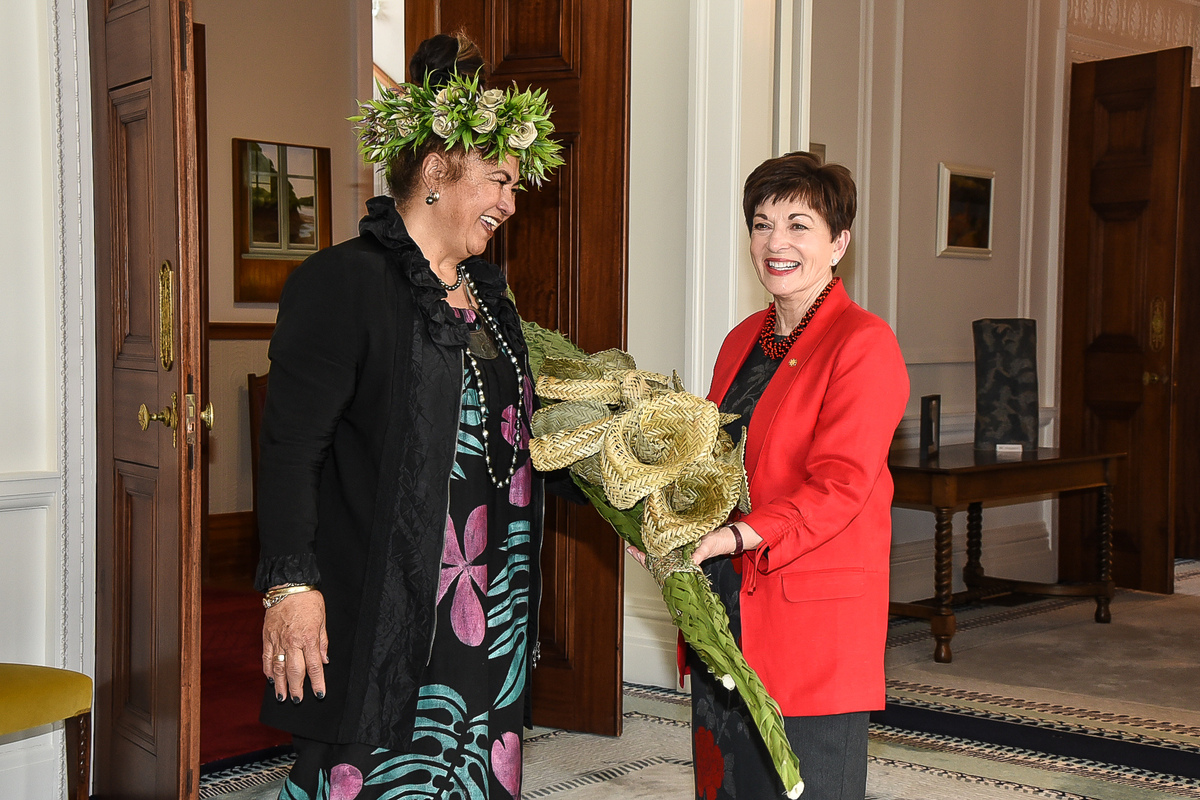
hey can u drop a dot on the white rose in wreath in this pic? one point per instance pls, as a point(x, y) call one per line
point(523, 135)
point(442, 126)
point(491, 98)
point(487, 121)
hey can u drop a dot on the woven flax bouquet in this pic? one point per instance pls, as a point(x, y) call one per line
point(656, 463)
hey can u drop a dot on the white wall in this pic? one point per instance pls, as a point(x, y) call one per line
point(894, 88)
point(658, 180)
point(702, 100)
point(897, 88)
point(229, 479)
point(387, 39)
point(47, 398)
point(27, 428)
point(293, 83)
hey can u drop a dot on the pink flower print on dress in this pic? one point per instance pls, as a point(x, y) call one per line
point(519, 489)
point(466, 613)
point(506, 762)
point(508, 428)
point(508, 423)
point(345, 782)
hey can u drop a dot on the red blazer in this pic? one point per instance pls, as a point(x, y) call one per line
point(815, 593)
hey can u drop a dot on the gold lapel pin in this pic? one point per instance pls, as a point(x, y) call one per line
point(792, 363)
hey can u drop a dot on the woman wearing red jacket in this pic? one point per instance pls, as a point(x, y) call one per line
point(820, 385)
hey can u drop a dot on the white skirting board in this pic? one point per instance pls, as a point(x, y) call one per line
point(31, 763)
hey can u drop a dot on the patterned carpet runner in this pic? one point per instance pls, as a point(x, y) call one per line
point(1039, 702)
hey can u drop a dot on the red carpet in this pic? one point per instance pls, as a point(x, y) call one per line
point(231, 679)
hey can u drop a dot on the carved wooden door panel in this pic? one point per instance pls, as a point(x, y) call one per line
point(147, 608)
point(1120, 280)
point(565, 256)
point(1187, 354)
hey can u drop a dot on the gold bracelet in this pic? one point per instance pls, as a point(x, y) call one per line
point(277, 595)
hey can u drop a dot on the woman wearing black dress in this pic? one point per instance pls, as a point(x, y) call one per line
point(399, 515)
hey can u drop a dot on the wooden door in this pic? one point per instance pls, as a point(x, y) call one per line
point(1125, 165)
point(569, 276)
point(147, 310)
point(1187, 354)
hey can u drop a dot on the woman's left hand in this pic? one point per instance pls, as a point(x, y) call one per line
point(722, 542)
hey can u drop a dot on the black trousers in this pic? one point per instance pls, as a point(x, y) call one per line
point(731, 761)
point(833, 754)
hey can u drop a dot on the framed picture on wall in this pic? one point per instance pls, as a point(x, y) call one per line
point(966, 196)
point(281, 214)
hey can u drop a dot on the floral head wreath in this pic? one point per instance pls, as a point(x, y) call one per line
point(498, 122)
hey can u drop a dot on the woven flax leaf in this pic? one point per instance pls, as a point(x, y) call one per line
point(663, 474)
point(675, 430)
point(605, 390)
point(613, 360)
point(568, 414)
point(563, 448)
point(696, 502)
point(571, 369)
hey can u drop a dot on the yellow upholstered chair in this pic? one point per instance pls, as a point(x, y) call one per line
point(32, 696)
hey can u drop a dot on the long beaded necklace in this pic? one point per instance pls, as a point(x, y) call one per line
point(519, 407)
point(776, 348)
point(461, 274)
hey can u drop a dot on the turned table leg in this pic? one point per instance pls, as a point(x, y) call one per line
point(973, 571)
point(1104, 529)
point(942, 623)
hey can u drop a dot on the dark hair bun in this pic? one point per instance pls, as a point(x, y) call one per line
point(440, 56)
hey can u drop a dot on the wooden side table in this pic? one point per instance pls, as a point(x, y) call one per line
point(961, 476)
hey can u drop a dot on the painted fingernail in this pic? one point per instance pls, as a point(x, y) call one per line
point(279, 696)
point(271, 680)
point(320, 695)
point(296, 701)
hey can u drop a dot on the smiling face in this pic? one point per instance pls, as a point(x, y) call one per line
point(471, 208)
point(793, 250)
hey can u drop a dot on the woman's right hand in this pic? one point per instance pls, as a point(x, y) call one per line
point(295, 628)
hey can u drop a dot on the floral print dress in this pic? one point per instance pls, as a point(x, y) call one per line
point(470, 709)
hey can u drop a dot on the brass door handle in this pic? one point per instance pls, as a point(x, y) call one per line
point(1151, 377)
point(206, 416)
point(169, 416)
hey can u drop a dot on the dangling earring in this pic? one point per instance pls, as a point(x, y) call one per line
point(432, 197)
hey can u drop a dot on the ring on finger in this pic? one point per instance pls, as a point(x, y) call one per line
point(281, 657)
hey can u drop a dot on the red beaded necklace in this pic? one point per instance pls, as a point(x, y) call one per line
point(777, 348)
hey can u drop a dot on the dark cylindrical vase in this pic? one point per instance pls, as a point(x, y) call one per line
point(1006, 384)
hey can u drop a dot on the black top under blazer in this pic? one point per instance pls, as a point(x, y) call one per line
point(357, 443)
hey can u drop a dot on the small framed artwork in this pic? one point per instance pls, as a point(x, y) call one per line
point(281, 214)
point(965, 200)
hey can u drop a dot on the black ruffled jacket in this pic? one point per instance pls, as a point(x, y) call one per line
point(357, 443)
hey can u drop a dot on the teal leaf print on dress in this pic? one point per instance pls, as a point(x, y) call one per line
point(470, 414)
point(291, 791)
point(510, 615)
point(461, 760)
